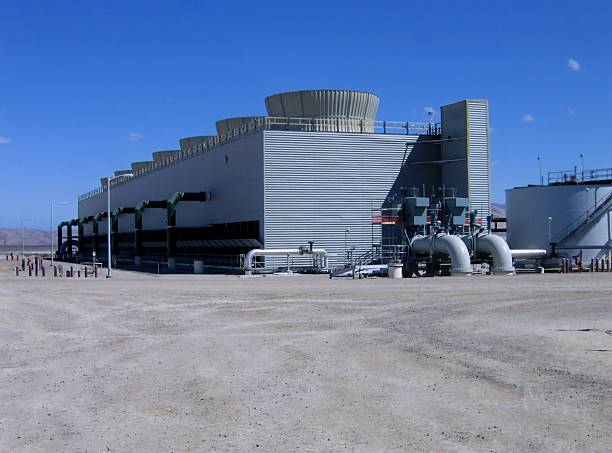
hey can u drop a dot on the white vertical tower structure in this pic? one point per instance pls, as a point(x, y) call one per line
point(465, 152)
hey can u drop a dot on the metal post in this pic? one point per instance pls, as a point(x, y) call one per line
point(51, 234)
point(108, 228)
point(587, 204)
point(540, 169)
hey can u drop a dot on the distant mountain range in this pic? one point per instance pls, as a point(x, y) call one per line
point(31, 236)
point(498, 210)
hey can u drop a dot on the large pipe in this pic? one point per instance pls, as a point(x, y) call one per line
point(447, 245)
point(528, 253)
point(248, 259)
point(495, 246)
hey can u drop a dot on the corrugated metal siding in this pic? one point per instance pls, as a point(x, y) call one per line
point(319, 184)
point(478, 157)
point(231, 172)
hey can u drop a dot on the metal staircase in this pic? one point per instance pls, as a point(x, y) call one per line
point(371, 262)
point(588, 217)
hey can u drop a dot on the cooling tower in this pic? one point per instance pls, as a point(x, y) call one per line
point(330, 110)
point(190, 142)
point(142, 165)
point(227, 124)
point(159, 156)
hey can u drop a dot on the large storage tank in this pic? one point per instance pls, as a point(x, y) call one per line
point(331, 110)
point(579, 218)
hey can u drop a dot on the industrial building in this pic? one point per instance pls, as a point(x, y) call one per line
point(569, 216)
point(319, 170)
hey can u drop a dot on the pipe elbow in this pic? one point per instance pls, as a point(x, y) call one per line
point(499, 251)
point(458, 252)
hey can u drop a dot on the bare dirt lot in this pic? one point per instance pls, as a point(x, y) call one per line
point(304, 363)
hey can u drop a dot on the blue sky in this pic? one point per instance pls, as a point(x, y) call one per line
point(86, 87)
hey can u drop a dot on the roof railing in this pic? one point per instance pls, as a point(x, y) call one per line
point(577, 177)
point(345, 125)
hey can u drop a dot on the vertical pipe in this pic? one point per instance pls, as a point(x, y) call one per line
point(69, 240)
point(95, 237)
point(59, 239)
point(171, 238)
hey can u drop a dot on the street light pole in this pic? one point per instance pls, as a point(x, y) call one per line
point(540, 169)
point(61, 203)
point(108, 221)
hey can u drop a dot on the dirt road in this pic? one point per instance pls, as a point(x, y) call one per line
point(203, 363)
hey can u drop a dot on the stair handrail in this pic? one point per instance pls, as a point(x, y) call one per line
point(584, 218)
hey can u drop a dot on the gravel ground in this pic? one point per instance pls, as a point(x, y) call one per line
point(304, 363)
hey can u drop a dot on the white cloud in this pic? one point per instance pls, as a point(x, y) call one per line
point(429, 110)
point(573, 64)
point(528, 119)
point(135, 136)
point(4, 140)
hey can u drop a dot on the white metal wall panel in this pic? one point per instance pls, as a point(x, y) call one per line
point(319, 184)
point(478, 157)
point(233, 173)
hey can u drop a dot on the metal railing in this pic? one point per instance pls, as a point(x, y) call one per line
point(350, 125)
point(574, 176)
point(583, 219)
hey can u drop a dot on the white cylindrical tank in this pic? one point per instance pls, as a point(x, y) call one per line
point(532, 210)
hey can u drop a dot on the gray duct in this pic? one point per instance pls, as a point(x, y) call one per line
point(248, 259)
point(446, 245)
point(496, 247)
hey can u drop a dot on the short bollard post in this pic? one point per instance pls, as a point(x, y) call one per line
point(71, 271)
point(42, 270)
point(29, 271)
point(22, 264)
point(85, 272)
point(16, 271)
point(55, 271)
point(78, 273)
point(95, 271)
